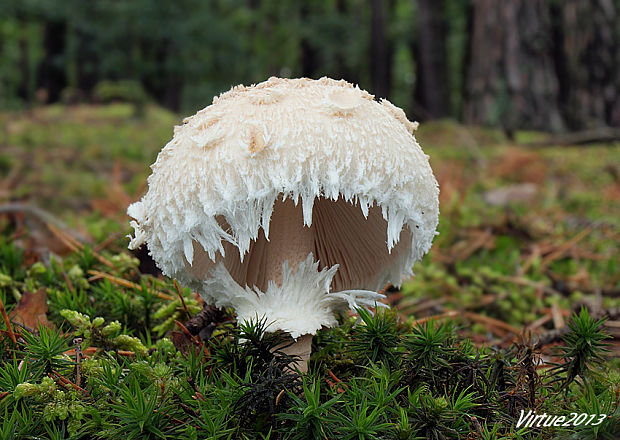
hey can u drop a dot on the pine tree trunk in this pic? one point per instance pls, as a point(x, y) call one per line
point(309, 61)
point(380, 56)
point(511, 79)
point(432, 88)
point(51, 75)
point(587, 34)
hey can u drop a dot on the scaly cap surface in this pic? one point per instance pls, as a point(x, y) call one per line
point(324, 142)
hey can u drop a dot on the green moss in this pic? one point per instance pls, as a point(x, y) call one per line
point(398, 380)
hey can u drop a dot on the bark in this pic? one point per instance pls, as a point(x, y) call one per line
point(24, 89)
point(87, 62)
point(587, 34)
point(380, 56)
point(309, 62)
point(511, 79)
point(166, 84)
point(343, 72)
point(51, 72)
point(432, 89)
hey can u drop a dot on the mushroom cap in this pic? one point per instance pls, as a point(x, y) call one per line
point(352, 162)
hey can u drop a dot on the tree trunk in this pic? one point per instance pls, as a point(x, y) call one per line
point(51, 75)
point(343, 72)
point(380, 56)
point(587, 34)
point(432, 88)
point(511, 79)
point(24, 89)
point(309, 62)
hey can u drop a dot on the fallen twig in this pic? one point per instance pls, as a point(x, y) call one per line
point(125, 353)
point(7, 322)
point(174, 419)
point(540, 322)
point(42, 216)
point(68, 282)
point(64, 381)
point(78, 360)
point(198, 395)
point(105, 243)
point(491, 322)
point(530, 260)
point(449, 314)
point(528, 283)
point(194, 338)
point(334, 385)
point(425, 305)
point(126, 283)
point(176, 286)
point(560, 250)
point(75, 245)
point(333, 376)
point(558, 319)
point(279, 396)
point(87, 352)
point(189, 410)
point(551, 336)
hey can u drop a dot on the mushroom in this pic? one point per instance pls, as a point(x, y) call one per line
point(289, 201)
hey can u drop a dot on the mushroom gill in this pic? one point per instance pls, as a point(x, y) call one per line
point(339, 234)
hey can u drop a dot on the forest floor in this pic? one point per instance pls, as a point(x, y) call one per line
point(529, 234)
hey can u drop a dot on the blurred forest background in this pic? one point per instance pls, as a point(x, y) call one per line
point(520, 101)
point(551, 65)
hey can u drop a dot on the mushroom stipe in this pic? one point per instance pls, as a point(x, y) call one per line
point(274, 201)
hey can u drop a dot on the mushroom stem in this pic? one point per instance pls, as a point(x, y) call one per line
point(289, 240)
point(301, 348)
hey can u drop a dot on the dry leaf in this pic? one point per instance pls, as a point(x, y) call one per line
point(32, 310)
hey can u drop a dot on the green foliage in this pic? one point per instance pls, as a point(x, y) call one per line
point(584, 347)
point(424, 382)
point(375, 376)
point(11, 261)
point(128, 91)
point(45, 350)
point(13, 374)
point(371, 378)
point(600, 401)
point(140, 414)
point(16, 423)
point(57, 404)
point(100, 335)
point(251, 349)
point(376, 338)
point(359, 420)
point(308, 415)
point(431, 415)
point(175, 311)
point(131, 49)
point(430, 345)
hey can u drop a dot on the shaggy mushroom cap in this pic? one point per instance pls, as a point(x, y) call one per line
point(289, 200)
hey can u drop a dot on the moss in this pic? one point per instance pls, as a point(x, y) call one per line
point(488, 260)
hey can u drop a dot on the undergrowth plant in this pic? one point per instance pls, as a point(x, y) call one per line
point(45, 350)
point(584, 346)
point(98, 373)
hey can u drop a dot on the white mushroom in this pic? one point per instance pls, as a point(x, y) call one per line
point(290, 200)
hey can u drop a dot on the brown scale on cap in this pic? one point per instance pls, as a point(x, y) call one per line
point(257, 143)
